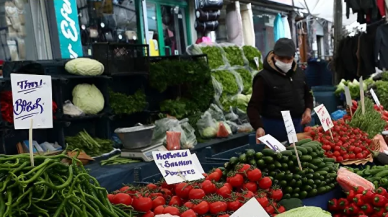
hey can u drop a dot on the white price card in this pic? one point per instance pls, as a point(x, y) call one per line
point(197, 163)
point(256, 59)
point(324, 117)
point(176, 166)
point(272, 143)
point(289, 124)
point(362, 95)
point(252, 208)
point(348, 97)
point(32, 100)
point(375, 98)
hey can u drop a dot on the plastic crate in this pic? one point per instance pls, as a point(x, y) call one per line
point(325, 95)
point(122, 58)
point(39, 67)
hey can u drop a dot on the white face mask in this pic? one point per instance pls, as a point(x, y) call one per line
point(285, 67)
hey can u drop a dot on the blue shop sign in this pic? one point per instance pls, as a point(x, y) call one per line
point(68, 28)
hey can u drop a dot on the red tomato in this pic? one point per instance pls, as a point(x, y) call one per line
point(228, 185)
point(224, 215)
point(250, 186)
point(122, 198)
point(359, 156)
point(243, 168)
point(188, 213)
point(158, 201)
point(281, 209)
point(234, 205)
point(236, 180)
point(149, 214)
point(263, 200)
point(224, 191)
point(217, 207)
point(166, 192)
point(269, 209)
point(175, 201)
point(307, 129)
point(124, 189)
point(276, 194)
point(208, 187)
point(142, 204)
point(340, 159)
point(110, 197)
point(171, 210)
point(196, 194)
point(152, 186)
point(189, 204)
point(254, 175)
point(201, 208)
point(159, 210)
point(182, 190)
point(265, 183)
point(214, 176)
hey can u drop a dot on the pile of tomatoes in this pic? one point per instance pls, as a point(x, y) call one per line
point(210, 197)
point(347, 143)
point(362, 203)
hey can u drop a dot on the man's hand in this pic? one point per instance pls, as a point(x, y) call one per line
point(259, 133)
point(306, 117)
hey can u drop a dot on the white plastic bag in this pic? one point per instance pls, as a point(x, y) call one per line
point(189, 140)
point(216, 113)
point(206, 126)
point(72, 110)
point(161, 127)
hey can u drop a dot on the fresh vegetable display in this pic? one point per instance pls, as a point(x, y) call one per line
point(84, 66)
point(214, 55)
point(118, 160)
point(209, 197)
point(371, 122)
point(378, 175)
point(51, 188)
point(88, 98)
point(127, 104)
point(250, 53)
point(361, 202)
point(234, 55)
point(246, 77)
point(317, 177)
point(348, 143)
point(91, 146)
point(354, 87)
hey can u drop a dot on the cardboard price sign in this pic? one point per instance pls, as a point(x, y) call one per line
point(176, 166)
point(272, 143)
point(289, 124)
point(324, 117)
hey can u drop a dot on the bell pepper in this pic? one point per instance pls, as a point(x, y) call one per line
point(358, 200)
point(367, 195)
point(379, 200)
point(342, 203)
point(367, 208)
point(333, 205)
point(350, 195)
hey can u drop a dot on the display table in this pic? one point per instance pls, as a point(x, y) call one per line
point(112, 177)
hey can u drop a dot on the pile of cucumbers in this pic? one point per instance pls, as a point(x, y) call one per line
point(378, 175)
point(318, 175)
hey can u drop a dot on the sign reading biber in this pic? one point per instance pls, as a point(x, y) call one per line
point(176, 166)
point(32, 99)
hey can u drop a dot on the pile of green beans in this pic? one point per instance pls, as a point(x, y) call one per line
point(118, 160)
point(51, 188)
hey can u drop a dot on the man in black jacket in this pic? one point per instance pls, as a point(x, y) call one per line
point(280, 86)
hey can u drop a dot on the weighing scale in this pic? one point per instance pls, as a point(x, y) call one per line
point(143, 153)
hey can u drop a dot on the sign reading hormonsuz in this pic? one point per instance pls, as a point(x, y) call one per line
point(176, 166)
point(32, 99)
point(68, 28)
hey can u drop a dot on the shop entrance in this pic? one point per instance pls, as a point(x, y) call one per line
point(167, 30)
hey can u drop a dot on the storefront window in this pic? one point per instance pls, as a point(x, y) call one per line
point(263, 24)
point(107, 21)
point(17, 18)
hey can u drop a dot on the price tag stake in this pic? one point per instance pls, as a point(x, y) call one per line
point(348, 99)
point(325, 118)
point(291, 134)
point(362, 96)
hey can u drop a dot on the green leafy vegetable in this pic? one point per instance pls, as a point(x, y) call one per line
point(214, 55)
point(382, 92)
point(384, 76)
point(124, 104)
point(371, 122)
point(234, 55)
point(91, 146)
point(250, 53)
point(246, 78)
point(227, 80)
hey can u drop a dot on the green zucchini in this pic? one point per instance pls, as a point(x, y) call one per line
point(302, 141)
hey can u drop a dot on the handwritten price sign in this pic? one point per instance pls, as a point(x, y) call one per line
point(272, 143)
point(32, 99)
point(292, 138)
point(324, 117)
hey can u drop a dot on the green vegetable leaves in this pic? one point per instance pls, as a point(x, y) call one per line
point(93, 147)
point(250, 53)
point(123, 104)
point(234, 55)
point(246, 78)
point(214, 55)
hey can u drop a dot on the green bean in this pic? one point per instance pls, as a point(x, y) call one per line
point(9, 208)
point(58, 213)
point(91, 209)
point(59, 187)
point(2, 204)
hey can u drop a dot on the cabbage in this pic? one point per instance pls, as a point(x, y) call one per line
point(306, 211)
point(209, 132)
point(84, 66)
point(88, 98)
point(340, 88)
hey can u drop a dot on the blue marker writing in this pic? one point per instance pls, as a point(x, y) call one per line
point(24, 108)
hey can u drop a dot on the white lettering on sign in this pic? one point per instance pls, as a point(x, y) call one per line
point(176, 166)
point(272, 143)
point(289, 124)
point(68, 27)
point(324, 117)
point(32, 99)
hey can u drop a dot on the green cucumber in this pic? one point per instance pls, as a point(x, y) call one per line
point(302, 141)
point(287, 153)
point(326, 159)
point(268, 152)
point(307, 158)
